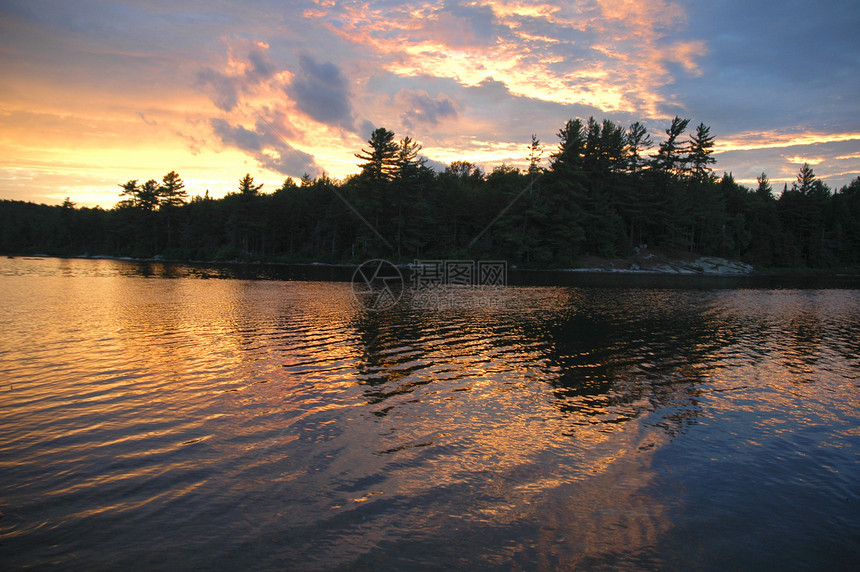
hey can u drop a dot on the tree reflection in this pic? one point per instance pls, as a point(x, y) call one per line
point(604, 356)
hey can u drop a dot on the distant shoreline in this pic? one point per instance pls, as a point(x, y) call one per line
point(656, 266)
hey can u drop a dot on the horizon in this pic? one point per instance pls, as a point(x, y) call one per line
point(99, 93)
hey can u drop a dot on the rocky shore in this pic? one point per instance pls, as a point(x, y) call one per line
point(657, 263)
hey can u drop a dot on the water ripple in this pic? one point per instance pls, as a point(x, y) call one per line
point(186, 423)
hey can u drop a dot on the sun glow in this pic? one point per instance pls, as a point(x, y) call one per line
point(81, 112)
point(777, 140)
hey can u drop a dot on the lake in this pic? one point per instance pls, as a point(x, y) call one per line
point(159, 416)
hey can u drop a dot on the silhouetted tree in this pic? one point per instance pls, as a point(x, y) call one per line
point(846, 223)
point(672, 154)
point(571, 148)
point(408, 161)
point(596, 196)
point(764, 190)
point(638, 140)
point(701, 150)
point(802, 209)
point(380, 161)
point(563, 185)
point(535, 156)
point(172, 192)
point(131, 190)
point(247, 188)
point(245, 222)
point(148, 195)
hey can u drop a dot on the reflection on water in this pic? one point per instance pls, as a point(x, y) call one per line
point(179, 422)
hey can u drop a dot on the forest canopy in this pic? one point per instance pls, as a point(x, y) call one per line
point(605, 190)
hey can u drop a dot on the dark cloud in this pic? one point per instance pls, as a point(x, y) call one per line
point(267, 146)
point(267, 140)
point(261, 65)
point(437, 166)
point(517, 117)
point(322, 91)
point(463, 26)
point(770, 65)
point(421, 109)
point(493, 89)
point(237, 136)
point(367, 128)
point(224, 89)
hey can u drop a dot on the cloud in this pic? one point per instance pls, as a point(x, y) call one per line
point(266, 145)
point(606, 54)
point(261, 66)
point(831, 158)
point(459, 26)
point(437, 166)
point(244, 73)
point(367, 128)
point(780, 139)
point(767, 68)
point(471, 79)
point(800, 160)
point(419, 109)
point(321, 91)
point(222, 89)
point(251, 88)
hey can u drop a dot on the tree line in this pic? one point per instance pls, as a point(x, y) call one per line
point(605, 190)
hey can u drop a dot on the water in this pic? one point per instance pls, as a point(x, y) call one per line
point(153, 419)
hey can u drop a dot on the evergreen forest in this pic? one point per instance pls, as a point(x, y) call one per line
point(603, 190)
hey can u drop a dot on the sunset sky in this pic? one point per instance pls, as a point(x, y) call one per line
point(95, 93)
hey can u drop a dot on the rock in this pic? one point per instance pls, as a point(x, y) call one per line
point(713, 265)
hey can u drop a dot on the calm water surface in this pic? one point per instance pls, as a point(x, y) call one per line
point(153, 419)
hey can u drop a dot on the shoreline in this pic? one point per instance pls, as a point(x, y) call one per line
point(653, 265)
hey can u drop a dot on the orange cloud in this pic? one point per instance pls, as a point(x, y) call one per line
point(777, 140)
point(482, 152)
point(533, 10)
point(623, 71)
point(848, 157)
point(809, 160)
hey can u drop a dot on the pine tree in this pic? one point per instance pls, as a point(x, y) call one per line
point(701, 150)
point(148, 195)
point(246, 221)
point(535, 155)
point(130, 189)
point(671, 154)
point(566, 195)
point(172, 192)
point(764, 190)
point(805, 182)
point(247, 188)
point(571, 148)
point(408, 161)
point(637, 140)
point(381, 160)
